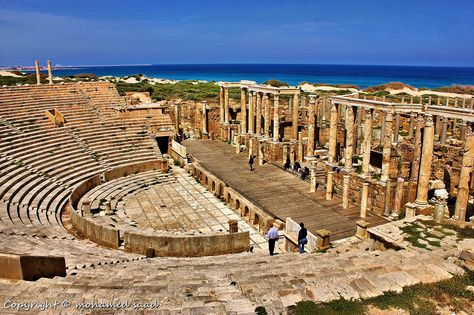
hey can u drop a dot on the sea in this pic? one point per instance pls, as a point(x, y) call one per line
point(360, 75)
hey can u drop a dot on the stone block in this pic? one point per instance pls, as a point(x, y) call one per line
point(323, 239)
point(362, 229)
point(31, 268)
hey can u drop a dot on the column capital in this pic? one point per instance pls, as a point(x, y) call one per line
point(428, 120)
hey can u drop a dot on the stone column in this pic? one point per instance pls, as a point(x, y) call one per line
point(425, 165)
point(382, 116)
point(311, 125)
point(37, 68)
point(251, 146)
point(266, 106)
point(387, 147)
point(50, 72)
point(258, 129)
point(292, 153)
point(177, 116)
point(359, 129)
point(226, 105)
point(415, 166)
point(329, 185)
point(398, 198)
point(221, 104)
point(412, 124)
point(243, 109)
point(333, 133)
point(466, 169)
point(261, 156)
point(285, 153)
point(345, 191)
point(444, 129)
point(397, 128)
point(312, 187)
point(363, 200)
point(204, 118)
point(369, 116)
point(276, 117)
point(388, 195)
point(349, 152)
point(251, 108)
point(296, 101)
point(462, 134)
point(300, 146)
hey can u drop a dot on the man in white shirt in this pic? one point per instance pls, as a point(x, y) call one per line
point(273, 237)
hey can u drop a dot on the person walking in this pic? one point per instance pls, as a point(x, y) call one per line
point(302, 238)
point(251, 163)
point(273, 237)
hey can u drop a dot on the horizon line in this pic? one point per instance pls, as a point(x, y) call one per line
point(239, 63)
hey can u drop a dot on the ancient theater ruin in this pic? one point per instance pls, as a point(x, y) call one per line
point(118, 198)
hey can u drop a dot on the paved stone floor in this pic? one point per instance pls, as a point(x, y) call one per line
point(184, 205)
point(278, 192)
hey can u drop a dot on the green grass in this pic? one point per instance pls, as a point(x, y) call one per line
point(419, 299)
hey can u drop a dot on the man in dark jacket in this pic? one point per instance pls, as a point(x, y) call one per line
point(251, 163)
point(302, 238)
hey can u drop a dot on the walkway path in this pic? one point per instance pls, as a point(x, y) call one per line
point(278, 192)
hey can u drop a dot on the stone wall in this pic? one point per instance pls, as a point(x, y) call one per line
point(187, 245)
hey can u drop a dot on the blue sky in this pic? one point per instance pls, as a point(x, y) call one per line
point(86, 32)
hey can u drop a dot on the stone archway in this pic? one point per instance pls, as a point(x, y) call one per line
point(246, 212)
point(237, 204)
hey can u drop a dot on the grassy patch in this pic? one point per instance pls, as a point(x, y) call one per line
point(336, 307)
point(419, 299)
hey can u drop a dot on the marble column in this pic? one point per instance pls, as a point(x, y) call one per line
point(312, 187)
point(50, 72)
point(258, 129)
point(333, 133)
point(367, 144)
point(251, 109)
point(221, 104)
point(349, 151)
point(276, 118)
point(300, 147)
point(345, 191)
point(462, 134)
point(382, 115)
point(387, 197)
point(364, 199)
point(243, 110)
point(266, 107)
point(415, 166)
point(396, 129)
point(359, 130)
point(311, 127)
point(204, 118)
point(292, 153)
point(329, 185)
point(464, 178)
point(177, 116)
point(412, 124)
point(398, 198)
point(37, 69)
point(260, 152)
point(226, 105)
point(387, 147)
point(444, 130)
point(425, 164)
point(296, 100)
